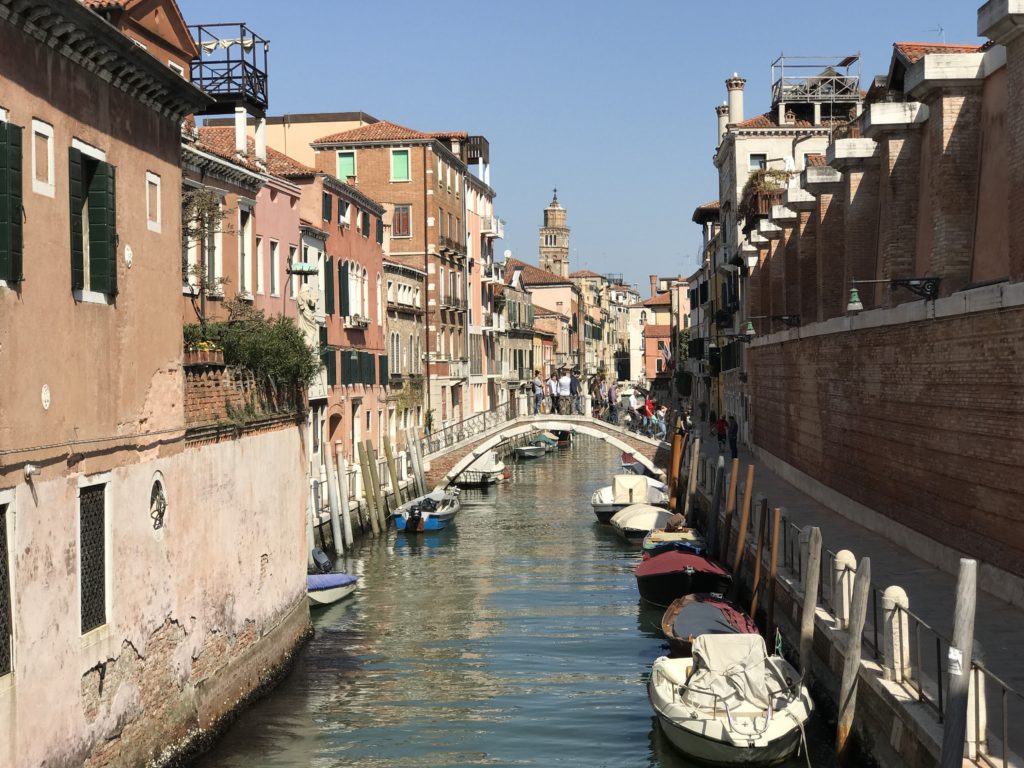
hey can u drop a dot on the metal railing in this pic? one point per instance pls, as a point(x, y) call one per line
point(453, 434)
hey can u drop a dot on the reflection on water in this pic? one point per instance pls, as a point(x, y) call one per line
point(513, 638)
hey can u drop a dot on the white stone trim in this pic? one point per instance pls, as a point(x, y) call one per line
point(91, 297)
point(88, 149)
point(152, 223)
point(45, 188)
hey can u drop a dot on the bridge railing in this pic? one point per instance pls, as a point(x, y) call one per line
point(453, 434)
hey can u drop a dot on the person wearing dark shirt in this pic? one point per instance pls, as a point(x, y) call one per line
point(734, 432)
point(722, 428)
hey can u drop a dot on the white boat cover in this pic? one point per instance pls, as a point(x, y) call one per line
point(731, 667)
point(641, 517)
point(488, 462)
point(629, 489)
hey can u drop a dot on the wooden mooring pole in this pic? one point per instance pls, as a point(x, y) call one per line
point(364, 466)
point(730, 510)
point(810, 579)
point(344, 496)
point(958, 665)
point(851, 662)
point(691, 485)
point(741, 540)
point(392, 472)
point(673, 463)
point(332, 497)
point(716, 502)
point(378, 490)
point(773, 572)
point(755, 590)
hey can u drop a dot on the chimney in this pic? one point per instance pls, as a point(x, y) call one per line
point(722, 110)
point(654, 286)
point(735, 87)
point(241, 148)
point(261, 140)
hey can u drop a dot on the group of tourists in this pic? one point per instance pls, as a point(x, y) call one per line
point(560, 393)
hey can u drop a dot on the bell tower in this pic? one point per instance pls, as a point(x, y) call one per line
point(554, 240)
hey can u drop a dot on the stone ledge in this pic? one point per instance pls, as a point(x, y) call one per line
point(844, 154)
point(881, 117)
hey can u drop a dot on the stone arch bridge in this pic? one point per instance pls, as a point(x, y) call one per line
point(448, 454)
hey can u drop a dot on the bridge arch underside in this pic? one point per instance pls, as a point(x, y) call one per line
point(650, 452)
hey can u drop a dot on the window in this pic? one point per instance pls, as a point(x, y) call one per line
point(440, 222)
point(293, 283)
point(6, 619)
point(244, 254)
point(365, 312)
point(259, 265)
point(327, 280)
point(380, 317)
point(93, 194)
point(366, 224)
point(152, 202)
point(11, 246)
point(440, 177)
point(92, 555)
point(400, 165)
point(42, 158)
point(758, 162)
point(274, 267)
point(346, 165)
point(342, 212)
point(327, 206)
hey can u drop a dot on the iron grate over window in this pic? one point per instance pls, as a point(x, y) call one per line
point(91, 509)
point(5, 598)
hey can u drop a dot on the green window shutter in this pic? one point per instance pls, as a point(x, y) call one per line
point(400, 165)
point(346, 368)
point(382, 364)
point(343, 308)
point(77, 196)
point(103, 229)
point(346, 165)
point(327, 206)
point(332, 367)
point(380, 231)
point(366, 361)
point(329, 286)
point(366, 224)
point(10, 203)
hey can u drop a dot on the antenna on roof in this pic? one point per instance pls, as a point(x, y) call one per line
point(941, 30)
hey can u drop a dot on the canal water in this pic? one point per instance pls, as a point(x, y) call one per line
point(514, 638)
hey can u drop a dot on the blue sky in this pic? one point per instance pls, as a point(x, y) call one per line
point(612, 102)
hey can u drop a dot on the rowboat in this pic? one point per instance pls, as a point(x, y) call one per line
point(430, 512)
point(530, 451)
point(637, 520)
point(487, 470)
point(328, 588)
point(685, 540)
point(629, 463)
point(670, 575)
point(702, 614)
point(624, 491)
point(730, 703)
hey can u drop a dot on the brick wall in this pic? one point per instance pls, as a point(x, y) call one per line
point(1015, 128)
point(898, 209)
point(807, 227)
point(828, 255)
point(920, 422)
point(861, 231)
point(216, 393)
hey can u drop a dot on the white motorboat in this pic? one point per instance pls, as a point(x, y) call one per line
point(430, 512)
point(626, 490)
point(730, 703)
point(329, 588)
point(487, 470)
point(530, 451)
point(637, 520)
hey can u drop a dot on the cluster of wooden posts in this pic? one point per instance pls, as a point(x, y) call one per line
point(379, 501)
point(851, 590)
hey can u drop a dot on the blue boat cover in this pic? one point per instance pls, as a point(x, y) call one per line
point(318, 581)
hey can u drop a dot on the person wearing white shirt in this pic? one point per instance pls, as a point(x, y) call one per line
point(565, 390)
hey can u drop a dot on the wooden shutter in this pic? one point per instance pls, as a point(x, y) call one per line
point(343, 308)
point(103, 229)
point(76, 194)
point(327, 207)
point(380, 231)
point(366, 224)
point(329, 286)
point(10, 203)
point(382, 364)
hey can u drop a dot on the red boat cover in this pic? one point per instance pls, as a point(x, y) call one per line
point(673, 561)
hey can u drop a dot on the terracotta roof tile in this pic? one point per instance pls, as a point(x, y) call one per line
point(653, 331)
point(220, 140)
point(103, 5)
point(912, 52)
point(661, 300)
point(585, 273)
point(533, 275)
point(770, 120)
point(817, 161)
point(459, 135)
point(381, 131)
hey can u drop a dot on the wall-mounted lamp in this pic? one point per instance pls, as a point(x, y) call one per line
point(30, 470)
point(925, 287)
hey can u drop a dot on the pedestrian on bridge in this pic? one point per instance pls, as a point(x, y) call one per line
point(565, 392)
point(538, 392)
point(576, 391)
point(613, 403)
point(553, 392)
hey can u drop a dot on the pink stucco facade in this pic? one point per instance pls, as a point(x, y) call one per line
point(277, 233)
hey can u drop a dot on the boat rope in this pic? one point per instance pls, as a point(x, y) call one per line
point(803, 737)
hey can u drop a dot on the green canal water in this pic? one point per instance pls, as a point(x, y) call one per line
point(515, 638)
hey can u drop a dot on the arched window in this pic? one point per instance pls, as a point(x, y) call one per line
point(451, 341)
point(366, 294)
point(412, 360)
point(380, 318)
point(353, 288)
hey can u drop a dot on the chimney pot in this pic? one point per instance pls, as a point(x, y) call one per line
point(734, 85)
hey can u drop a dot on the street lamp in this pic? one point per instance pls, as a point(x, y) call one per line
point(925, 287)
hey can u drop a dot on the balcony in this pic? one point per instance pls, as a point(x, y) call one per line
point(494, 322)
point(491, 273)
point(451, 245)
point(399, 306)
point(358, 321)
point(456, 303)
point(231, 67)
point(458, 369)
point(492, 227)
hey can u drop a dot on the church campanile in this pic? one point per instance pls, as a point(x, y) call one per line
point(554, 240)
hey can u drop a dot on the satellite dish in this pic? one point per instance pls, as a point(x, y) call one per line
point(508, 254)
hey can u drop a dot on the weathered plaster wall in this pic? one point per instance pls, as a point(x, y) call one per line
point(197, 612)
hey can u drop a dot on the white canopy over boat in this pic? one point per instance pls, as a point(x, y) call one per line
point(637, 520)
point(731, 703)
point(488, 462)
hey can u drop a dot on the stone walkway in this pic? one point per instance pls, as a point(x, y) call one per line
point(999, 626)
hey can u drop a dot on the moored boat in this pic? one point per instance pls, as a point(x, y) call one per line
point(629, 463)
point(685, 540)
point(690, 616)
point(637, 520)
point(487, 470)
point(329, 588)
point(530, 451)
point(670, 575)
point(624, 491)
point(730, 703)
point(430, 512)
